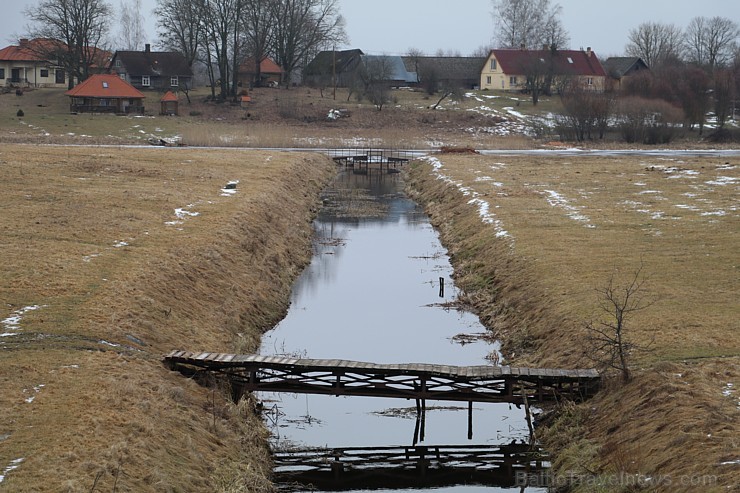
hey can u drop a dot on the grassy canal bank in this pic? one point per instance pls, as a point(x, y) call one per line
point(533, 239)
point(113, 257)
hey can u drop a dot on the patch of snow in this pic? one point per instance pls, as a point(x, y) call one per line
point(111, 344)
point(12, 324)
point(36, 390)
point(573, 212)
point(120, 244)
point(230, 188)
point(722, 181)
point(714, 213)
point(730, 463)
point(483, 206)
point(14, 464)
point(88, 258)
point(512, 111)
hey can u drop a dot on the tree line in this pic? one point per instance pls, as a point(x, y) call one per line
point(220, 34)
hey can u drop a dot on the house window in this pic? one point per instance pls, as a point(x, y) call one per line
point(2, 73)
point(59, 76)
point(44, 72)
point(145, 81)
point(488, 80)
point(570, 60)
point(493, 64)
point(118, 63)
point(590, 81)
point(173, 81)
point(512, 81)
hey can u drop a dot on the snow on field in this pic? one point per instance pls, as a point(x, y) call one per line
point(557, 200)
point(729, 391)
point(230, 188)
point(722, 181)
point(34, 392)
point(183, 213)
point(12, 325)
point(484, 208)
point(14, 464)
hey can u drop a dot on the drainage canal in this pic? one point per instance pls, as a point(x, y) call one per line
point(379, 290)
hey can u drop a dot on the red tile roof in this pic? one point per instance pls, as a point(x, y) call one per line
point(267, 66)
point(34, 50)
point(105, 86)
point(168, 96)
point(573, 62)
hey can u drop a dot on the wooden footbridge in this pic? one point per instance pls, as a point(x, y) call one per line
point(254, 372)
point(361, 160)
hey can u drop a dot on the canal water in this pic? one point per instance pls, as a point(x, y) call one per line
point(372, 294)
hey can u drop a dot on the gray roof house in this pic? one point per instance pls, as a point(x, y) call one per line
point(157, 70)
point(330, 64)
point(620, 69)
point(390, 68)
point(451, 71)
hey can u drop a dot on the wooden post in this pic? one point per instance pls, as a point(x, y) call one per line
point(532, 438)
point(441, 287)
point(418, 422)
point(470, 420)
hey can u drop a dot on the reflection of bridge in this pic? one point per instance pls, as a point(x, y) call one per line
point(254, 372)
point(398, 467)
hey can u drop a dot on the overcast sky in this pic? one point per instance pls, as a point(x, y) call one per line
point(394, 26)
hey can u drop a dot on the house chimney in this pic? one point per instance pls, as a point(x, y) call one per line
point(588, 51)
point(148, 48)
point(23, 42)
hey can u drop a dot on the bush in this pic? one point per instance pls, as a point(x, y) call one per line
point(195, 113)
point(648, 121)
point(19, 113)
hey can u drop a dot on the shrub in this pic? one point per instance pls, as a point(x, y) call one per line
point(648, 121)
point(19, 113)
point(195, 113)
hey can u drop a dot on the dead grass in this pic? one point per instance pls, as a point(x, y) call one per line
point(92, 237)
point(571, 222)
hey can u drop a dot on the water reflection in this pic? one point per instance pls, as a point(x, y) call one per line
point(372, 293)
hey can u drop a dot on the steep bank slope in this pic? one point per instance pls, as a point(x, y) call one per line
point(531, 238)
point(113, 257)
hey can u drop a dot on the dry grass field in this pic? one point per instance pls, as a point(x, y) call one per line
point(113, 257)
point(280, 118)
point(533, 237)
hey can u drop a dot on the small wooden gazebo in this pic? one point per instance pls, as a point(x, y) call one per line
point(169, 104)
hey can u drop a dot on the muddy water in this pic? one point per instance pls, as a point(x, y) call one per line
point(372, 293)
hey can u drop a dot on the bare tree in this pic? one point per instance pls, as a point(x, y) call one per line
point(258, 23)
point(609, 341)
point(528, 23)
point(303, 27)
point(181, 29)
point(223, 22)
point(80, 24)
point(655, 43)
point(724, 96)
point(376, 73)
point(712, 42)
point(131, 33)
